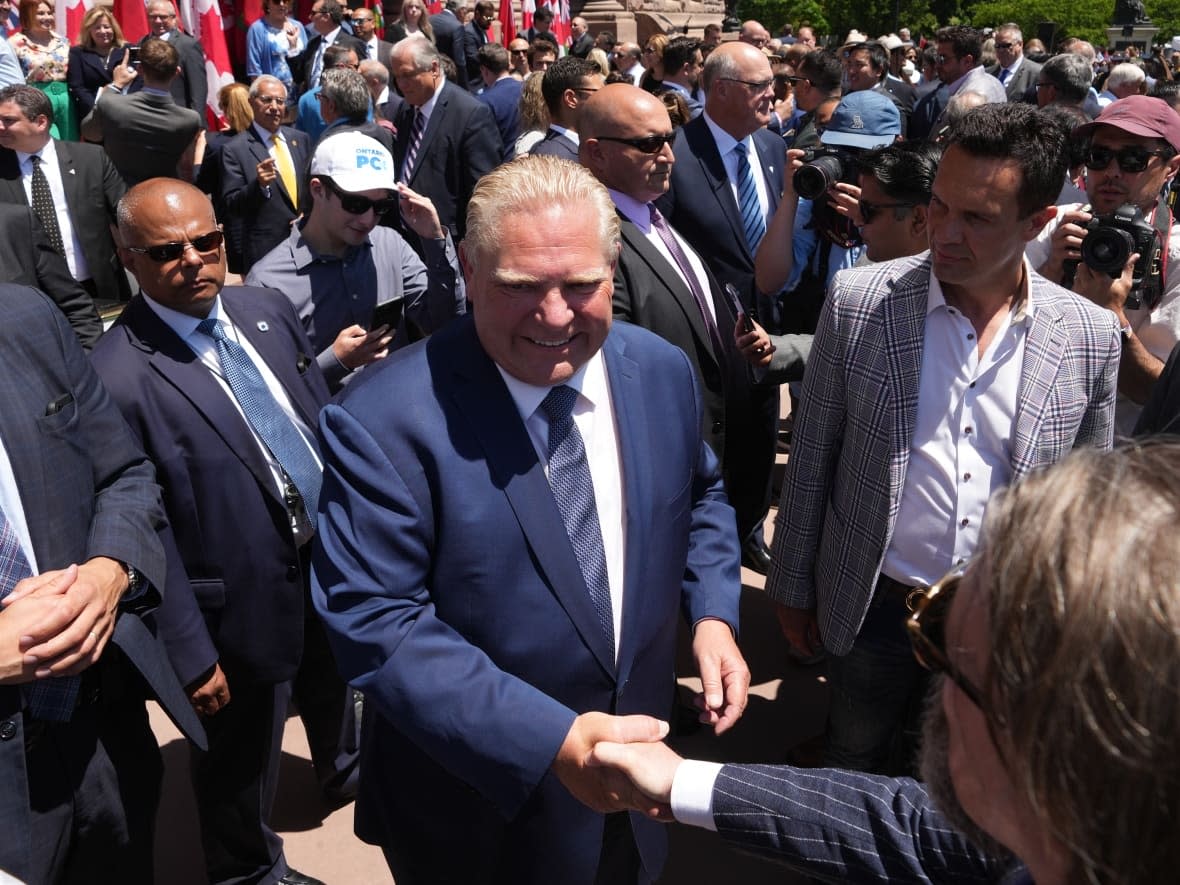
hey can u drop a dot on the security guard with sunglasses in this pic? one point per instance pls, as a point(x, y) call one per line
point(350, 279)
point(220, 387)
point(1131, 159)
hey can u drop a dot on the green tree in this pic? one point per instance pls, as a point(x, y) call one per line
point(775, 13)
point(1087, 19)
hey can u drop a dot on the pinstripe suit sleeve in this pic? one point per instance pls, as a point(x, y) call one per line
point(818, 435)
point(843, 826)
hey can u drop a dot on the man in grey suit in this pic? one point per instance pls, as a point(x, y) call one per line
point(933, 381)
point(80, 561)
point(146, 134)
point(83, 185)
point(1017, 73)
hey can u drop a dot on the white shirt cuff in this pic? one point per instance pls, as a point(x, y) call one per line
point(692, 793)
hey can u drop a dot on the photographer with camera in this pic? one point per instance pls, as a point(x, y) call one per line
point(823, 239)
point(1123, 244)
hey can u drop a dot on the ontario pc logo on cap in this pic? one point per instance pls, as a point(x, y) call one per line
point(354, 162)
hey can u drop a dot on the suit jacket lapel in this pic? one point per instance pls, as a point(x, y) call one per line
point(905, 321)
point(432, 127)
point(705, 148)
point(635, 448)
point(261, 151)
point(1044, 348)
point(512, 461)
point(178, 366)
point(670, 277)
point(772, 172)
point(69, 179)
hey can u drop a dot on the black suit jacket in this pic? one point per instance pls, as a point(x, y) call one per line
point(460, 144)
point(241, 569)
point(302, 64)
point(554, 144)
point(257, 222)
point(88, 71)
point(93, 188)
point(448, 37)
point(473, 38)
point(582, 46)
point(650, 292)
point(927, 111)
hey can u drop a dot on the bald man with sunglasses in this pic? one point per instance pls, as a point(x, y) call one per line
point(1132, 159)
point(359, 288)
point(219, 386)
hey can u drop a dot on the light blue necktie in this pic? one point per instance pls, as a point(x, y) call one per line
point(753, 223)
point(573, 489)
point(51, 699)
point(266, 416)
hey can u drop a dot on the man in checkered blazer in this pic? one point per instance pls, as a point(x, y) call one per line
point(933, 380)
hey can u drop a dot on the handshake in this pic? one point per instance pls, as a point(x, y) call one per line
point(619, 763)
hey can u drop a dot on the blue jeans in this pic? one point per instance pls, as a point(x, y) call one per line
point(877, 691)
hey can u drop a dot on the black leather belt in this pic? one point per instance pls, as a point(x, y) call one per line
point(906, 594)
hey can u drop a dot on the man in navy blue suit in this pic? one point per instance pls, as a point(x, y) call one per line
point(503, 585)
point(221, 387)
point(501, 94)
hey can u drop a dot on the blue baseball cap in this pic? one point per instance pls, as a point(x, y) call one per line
point(864, 119)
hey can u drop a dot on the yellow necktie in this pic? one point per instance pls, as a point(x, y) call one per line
point(286, 168)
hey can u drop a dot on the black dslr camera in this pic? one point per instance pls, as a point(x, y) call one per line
point(1110, 240)
point(823, 167)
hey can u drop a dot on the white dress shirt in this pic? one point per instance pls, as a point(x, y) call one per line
point(205, 348)
point(594, 416)
point(79, 269)
point(961, 450)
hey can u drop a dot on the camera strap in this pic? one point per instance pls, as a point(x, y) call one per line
point(1157, 271)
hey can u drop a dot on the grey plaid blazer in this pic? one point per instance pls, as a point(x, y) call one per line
point(852, 436)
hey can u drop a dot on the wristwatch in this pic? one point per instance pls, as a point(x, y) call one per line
point(134, 580)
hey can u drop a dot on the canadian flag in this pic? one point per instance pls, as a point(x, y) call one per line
point(132, 16)
point(507, 22)
point(527, 8)
point(202, 19)
point(69, 18)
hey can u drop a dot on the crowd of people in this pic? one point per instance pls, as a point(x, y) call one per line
point(440, 376)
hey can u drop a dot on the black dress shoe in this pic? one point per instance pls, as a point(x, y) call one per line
point(755, 556)
point(294, 877)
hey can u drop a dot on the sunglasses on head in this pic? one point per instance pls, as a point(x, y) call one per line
point(1132, 158)
point(868, 211)
point(204, 244)
point(649, 144)
point(355, 204)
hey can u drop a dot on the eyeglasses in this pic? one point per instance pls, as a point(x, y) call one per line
point(927, 631)
point(868, 211)
point(355, 204)
point(518, 52)
point(1131, 158)
point(756, 85)
point(795, 81)
point(269, 99)
point(204, 244)
point(1007, 45)
point(161, 16)
point(649, 144)
point(587, 90)
point(943, 59)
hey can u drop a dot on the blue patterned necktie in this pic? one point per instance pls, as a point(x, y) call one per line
point(753, 223)
point(50, 699)
point(266, 416)
point(573, 488)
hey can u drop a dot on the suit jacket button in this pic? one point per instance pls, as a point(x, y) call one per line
point(718, 427)
point(7, 730)
point(292, 573)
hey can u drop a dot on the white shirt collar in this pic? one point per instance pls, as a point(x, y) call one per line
point(48, 155)
point(726, 142)
point(183, 324)
point(590, 381)
point(1024, 309)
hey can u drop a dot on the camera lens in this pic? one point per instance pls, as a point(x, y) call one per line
point(1107, 249)
point(813, 178)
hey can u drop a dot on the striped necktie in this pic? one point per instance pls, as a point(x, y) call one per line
point(749, 207)
point(415, 144)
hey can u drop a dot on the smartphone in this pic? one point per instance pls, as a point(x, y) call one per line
point(388, 313)
point(747, 322)
point(132, 56)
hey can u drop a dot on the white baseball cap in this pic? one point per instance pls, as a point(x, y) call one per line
point(354, 162)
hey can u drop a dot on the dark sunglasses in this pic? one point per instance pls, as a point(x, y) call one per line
point(355, 204)
point(868, 211)
point(1131, 158)
point(794, 81)
point(1006, 45)
point(926, 627)
point(649, 144)
point(204, 244)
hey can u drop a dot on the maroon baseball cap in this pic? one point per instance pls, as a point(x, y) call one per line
point(1138, 115)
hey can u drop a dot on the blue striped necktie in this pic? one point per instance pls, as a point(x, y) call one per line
point(51, 699)
point(573, 489)
point(753, 222)
point(266, 416)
